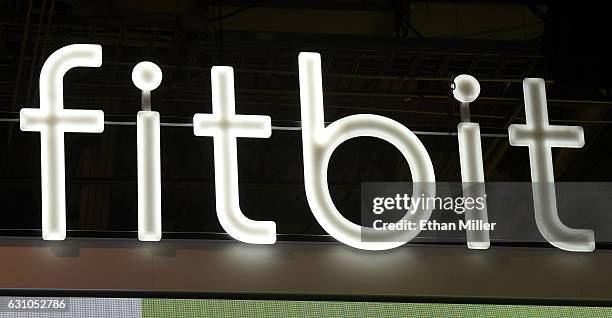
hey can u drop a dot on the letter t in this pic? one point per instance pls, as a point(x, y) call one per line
point(540, 137)
point(225, 126)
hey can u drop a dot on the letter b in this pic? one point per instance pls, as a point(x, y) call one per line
point(319, 143)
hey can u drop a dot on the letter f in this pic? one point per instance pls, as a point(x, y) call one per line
point(52, 121)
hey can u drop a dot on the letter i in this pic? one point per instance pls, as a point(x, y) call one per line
point(466, 89)
point(147, 76)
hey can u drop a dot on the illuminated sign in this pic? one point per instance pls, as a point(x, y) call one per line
point(319, 142)
point(541, 137)
point(147, 77)
point(52, 121)
point(466, 90)
point(225, 126)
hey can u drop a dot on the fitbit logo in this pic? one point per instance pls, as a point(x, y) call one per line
point(52, 120)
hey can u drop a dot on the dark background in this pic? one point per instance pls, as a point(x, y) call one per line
point(393, 58)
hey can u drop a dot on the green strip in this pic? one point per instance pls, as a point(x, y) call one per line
point(154, 308)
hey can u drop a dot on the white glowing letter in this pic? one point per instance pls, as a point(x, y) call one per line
point(540, 137)
point(52, 121)
point(318, 144)
point(225, 126)
point(466, 89)
point(147, 76)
